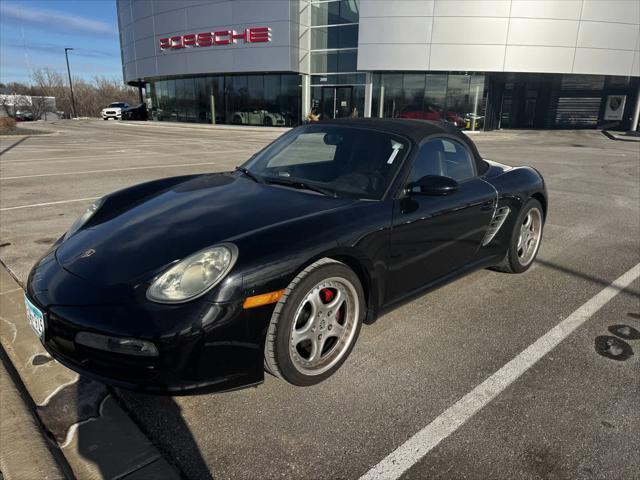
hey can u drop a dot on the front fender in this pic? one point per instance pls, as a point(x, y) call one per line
point(356, 234)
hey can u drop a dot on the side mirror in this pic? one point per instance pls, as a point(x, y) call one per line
point(332, 139)
point(433, 185)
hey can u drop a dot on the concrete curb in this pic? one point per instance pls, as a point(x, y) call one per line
point(25, 451)
point(201, 126)
point(622, 136)
point(97, 438)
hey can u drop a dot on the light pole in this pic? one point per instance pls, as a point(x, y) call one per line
point(73, 102)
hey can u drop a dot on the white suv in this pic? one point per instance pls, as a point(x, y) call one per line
point(114, 110)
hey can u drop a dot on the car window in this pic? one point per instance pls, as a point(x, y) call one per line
point(309, 148)
point(348, 161)
point(443, 157)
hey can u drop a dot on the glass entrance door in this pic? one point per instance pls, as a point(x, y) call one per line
point(336, 102)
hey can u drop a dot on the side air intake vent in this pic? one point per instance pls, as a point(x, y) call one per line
point(498, 219)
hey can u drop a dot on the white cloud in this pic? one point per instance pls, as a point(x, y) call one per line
point(52, 20)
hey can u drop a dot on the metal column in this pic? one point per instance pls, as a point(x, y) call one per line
point(306, 95)
point(368, 94)
point(636, 113)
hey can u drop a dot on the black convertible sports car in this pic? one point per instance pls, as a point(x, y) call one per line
point(201, 282)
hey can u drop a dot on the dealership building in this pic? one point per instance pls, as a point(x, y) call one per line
point(480, 64)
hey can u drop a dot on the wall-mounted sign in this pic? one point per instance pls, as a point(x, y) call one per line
point(221, 37)
point(615, 107)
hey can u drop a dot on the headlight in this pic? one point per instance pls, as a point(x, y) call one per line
point(84, 218)
point(194, 275)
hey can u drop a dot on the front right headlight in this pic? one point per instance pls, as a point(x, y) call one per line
point(193, 276)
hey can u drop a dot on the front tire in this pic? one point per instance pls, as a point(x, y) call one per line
point(315, 324)
point(525, 239)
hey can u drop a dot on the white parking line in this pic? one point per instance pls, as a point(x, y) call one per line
point(11, 291)
point(46, 204)
point(414, 449)
point(83, 172)
point(119, 156)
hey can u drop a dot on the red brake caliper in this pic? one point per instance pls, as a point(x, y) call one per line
point(327, 295)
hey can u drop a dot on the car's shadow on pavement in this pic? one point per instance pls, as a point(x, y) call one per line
point(172, 434)
point(94, 430)
point(14, 145)
point(584, 276)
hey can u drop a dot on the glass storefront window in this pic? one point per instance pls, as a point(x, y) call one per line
point(334, 42)
point(203, 101)
point(348, 61)
point(269, 100)
point(189, 104)
point(344, 36)
point(457, 95)
point(236, 99)
point(170, 103)
point(435, 90)
point(324, 62)
point(459, 99)
point(335, 12)
point(334, 62)
point(289, 99)
point(180, 100)
point(272, 86)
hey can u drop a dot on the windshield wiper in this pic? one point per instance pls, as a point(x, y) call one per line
point(299, 185)
point(248, 174)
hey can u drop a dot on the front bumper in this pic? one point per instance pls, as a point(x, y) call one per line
point(202, 346)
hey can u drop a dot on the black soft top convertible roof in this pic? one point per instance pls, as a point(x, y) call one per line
point(415, 130)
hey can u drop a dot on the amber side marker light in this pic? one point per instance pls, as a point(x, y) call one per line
point(264, 299)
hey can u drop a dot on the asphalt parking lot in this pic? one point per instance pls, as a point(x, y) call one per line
point(572, 414)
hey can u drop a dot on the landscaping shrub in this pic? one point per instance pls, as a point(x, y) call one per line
point(7, 124)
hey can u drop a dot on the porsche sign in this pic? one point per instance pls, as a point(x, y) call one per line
point(211, 39)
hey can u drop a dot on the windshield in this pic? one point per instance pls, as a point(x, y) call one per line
point(117, 105)
point(340, 160)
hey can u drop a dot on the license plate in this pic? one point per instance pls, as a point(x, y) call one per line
point(35, 318)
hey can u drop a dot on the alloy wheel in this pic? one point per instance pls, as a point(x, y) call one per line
point(529, 239)
point(324, 326)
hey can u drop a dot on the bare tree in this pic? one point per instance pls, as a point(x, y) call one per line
point(50, 83)
point(38, 106)
point(90, 97)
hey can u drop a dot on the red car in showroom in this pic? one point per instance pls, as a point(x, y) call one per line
point(432, 112)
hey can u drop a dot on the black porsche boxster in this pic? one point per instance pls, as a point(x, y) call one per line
point(203, 282)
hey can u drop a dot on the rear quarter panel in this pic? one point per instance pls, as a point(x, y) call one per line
point(515, 187)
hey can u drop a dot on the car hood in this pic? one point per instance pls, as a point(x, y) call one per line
point(145, 236)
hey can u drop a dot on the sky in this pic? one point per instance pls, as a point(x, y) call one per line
point(34, 33)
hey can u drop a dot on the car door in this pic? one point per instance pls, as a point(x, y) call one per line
point(434, 235)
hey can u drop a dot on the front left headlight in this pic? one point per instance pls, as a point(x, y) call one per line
point(84, 218)
point(193, 276)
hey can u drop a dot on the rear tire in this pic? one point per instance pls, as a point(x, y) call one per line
point(315, 324)
point(525, 239)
